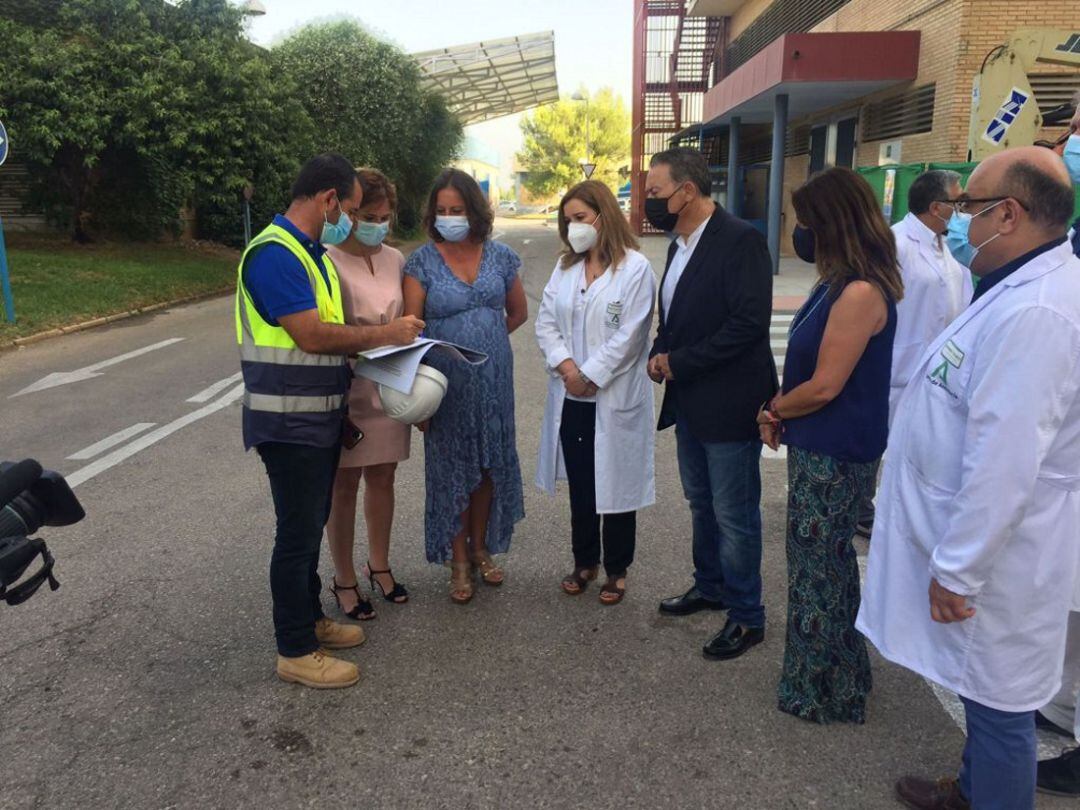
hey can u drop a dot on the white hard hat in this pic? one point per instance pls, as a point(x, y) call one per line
point(419, 404)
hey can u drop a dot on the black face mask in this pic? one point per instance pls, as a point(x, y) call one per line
point(656, 211)
point(802, 239)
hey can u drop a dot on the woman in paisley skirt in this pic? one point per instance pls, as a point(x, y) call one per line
point(832, 413)
point(466, 288)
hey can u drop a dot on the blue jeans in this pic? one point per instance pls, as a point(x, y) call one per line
point(722, 482)
point(998, 770)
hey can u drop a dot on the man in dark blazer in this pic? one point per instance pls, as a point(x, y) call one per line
point(712, 353)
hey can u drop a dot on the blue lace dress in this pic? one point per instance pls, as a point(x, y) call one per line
point(473, 430)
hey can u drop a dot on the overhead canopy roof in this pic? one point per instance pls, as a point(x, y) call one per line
point(815, 71)
point(486, 80)
point(713, 8)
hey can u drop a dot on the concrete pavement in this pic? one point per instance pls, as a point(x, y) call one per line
point(147, 679)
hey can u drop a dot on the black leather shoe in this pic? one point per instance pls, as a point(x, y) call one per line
point(690, 602)
point(1060, 776)
point(1046, 724)
point(733, 641)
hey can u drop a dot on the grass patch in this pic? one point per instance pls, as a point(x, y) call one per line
point(58, 283)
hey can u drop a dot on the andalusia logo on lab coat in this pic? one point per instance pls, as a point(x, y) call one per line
point(951, 357)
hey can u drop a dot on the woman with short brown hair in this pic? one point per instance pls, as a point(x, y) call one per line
point(593, 330)
point(833, 413)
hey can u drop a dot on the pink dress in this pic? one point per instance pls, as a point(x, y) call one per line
point(371, 300)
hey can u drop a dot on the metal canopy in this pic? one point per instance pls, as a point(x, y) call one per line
point(486, 80)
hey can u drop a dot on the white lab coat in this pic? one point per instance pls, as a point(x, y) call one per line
point(927, 306)
point(617, 321)
point(982, 493)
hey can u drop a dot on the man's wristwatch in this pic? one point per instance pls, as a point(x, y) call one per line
point(584, 379)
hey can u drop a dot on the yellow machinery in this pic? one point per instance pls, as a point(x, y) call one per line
point(1003, 108)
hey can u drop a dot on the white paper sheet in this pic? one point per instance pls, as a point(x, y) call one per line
point(395, 366)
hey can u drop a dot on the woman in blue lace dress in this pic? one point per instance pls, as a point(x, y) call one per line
point(467, 290)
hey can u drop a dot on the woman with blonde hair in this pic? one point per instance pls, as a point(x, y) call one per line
point(833, 414)
point(371, 277)
point(593, 330)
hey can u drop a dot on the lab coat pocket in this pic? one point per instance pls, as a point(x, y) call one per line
point(924, 508)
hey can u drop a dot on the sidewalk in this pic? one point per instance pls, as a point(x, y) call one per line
point(789, 288)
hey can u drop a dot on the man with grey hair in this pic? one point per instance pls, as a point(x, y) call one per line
point(936, 286)
point(980, 500)
point(712, 355)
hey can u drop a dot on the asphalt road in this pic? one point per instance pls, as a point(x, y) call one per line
point(147, 680)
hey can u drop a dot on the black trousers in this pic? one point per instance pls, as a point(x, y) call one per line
point(577, 434)
point(301, 482)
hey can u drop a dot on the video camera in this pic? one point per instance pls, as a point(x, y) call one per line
point(30, 498)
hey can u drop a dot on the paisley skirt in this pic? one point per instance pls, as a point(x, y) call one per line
point(826, 675)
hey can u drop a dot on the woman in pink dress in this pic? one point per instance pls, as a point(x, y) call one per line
point(371, 274)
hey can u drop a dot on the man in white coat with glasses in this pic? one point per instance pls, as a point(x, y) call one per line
point(981, 497)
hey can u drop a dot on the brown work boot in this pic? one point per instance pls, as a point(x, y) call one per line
point(334, 636)
point(924, 794)
point(318, 670)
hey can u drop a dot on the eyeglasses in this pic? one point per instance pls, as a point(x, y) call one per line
point(1054, 144)
point(961, 205)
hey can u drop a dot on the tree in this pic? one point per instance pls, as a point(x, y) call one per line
point(127, 110)
point(367, 102)
point(554, 142)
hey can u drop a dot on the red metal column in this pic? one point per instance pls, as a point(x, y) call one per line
point(637, 136)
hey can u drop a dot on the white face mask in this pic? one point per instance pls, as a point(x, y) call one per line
point(582, 236)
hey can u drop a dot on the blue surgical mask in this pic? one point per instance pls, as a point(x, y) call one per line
point(452, 229)
point(334, 233)
point(1072, 158)
point(371, 234)
point(957, 236)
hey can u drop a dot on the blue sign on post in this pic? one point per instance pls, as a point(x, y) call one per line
point(5, 282)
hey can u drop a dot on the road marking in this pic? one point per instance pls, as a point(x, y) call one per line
point(89, 372)
point(525, 241)
point(121, 436)
point(208, 394)
point(128, 450)
point(498, 234)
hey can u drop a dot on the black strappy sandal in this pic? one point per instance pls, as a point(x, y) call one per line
point(363, 610)
point(398, 595)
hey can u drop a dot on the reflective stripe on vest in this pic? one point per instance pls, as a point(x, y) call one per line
point(271, 357)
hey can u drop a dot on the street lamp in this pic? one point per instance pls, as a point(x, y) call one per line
point(579, 96)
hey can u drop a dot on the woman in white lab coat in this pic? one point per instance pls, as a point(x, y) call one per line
point(598, 430)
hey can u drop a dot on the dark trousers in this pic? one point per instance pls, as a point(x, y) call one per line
point(301, 482)
point(577, 434)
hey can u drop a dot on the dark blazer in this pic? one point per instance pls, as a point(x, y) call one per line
point(717, 334)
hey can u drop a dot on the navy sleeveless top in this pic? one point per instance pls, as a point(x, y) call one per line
point(853, 427)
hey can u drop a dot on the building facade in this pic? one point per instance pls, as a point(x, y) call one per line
point(851, 82)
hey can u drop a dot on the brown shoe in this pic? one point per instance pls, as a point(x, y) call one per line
point(317, 670)
point(924, 794)
point(334, 636)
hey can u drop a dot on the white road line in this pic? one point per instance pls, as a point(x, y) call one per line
point(208, 394)
point(111, 441)
point(778, 344)
point(89, 372)
point(127, 451)
point(782, 318)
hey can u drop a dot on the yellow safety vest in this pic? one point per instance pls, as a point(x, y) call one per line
point(280, 379)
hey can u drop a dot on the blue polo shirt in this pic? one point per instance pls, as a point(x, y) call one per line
point(277, 282)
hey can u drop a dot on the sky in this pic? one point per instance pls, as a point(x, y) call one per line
point(593, 38)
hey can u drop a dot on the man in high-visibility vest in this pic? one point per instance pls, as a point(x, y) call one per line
point(293, 348)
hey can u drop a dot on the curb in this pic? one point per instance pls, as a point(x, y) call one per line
point(38, 337)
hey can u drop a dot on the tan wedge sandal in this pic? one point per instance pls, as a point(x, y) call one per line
point(462, 587)
point(490, 573)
